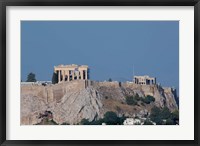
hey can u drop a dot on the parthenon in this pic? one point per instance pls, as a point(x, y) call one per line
point(144, 80)
point(71, 72)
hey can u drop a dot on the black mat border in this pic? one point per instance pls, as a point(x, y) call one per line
point(5, 3)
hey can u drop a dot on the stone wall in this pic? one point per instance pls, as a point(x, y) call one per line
point(51, 93)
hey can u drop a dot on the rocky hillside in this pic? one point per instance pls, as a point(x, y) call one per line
point(70, 102)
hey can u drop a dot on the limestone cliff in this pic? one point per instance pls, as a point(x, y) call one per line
point(70, 102)
point(73, 108)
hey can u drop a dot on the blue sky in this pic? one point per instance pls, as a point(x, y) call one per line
point(109, 48)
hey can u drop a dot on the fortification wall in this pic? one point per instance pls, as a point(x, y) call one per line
point(104, 84)
point(130, 85)
point(59, 90)
point(34, 90)
point(109, 84)
point(51, 93)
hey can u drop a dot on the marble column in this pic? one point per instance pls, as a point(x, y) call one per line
point(58, 76)
point(68, 76)
point(86, 74)
point(81, 74)
point(63, 75)
point(73, 75)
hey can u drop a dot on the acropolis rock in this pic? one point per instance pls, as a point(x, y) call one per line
point(72, 101)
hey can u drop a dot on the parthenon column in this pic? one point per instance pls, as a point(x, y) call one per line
point(73, 75)
point(68, 76)
point(81, 74)
point(86, 74)
point(58, 76)
point(63, 75)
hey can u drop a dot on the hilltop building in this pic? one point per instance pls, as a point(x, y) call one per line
point(144, 80)
point(71, 72)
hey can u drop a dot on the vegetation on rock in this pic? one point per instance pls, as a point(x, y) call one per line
point(85, 122)
point(110, 118)
point(163, 116)
point(148, 122)
point(130, 100)
point(133, 100)
point(148, 99)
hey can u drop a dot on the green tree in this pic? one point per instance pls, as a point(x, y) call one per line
point(175, 116)
point(65, 123)
point(85, 122)
point(169, 122)
point(130, 100)
point(109, 80)
point(164, 116)
point(137, 97)
point(155, 115)
point(110, 118)
point(121, 120)
point(148, 122)
point(148, 99)
point(165, 113)
point(54, 78)
point(31, 77)
point(97, 122)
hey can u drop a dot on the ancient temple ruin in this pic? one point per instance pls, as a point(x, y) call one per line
point(144, 80)
point(71, 72)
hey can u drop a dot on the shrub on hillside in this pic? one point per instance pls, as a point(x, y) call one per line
point(137, 97)
point(110, 118)
point(130, 100)
point(164, 116)
point(169, 122)
point(148, 99)
point(165, 113)
point(85, 122)
point(175, 115)
point(121, 120)
point(156, 115)
point(97, 122)
point(148, 122)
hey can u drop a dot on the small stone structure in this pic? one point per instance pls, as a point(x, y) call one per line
point(71, 72)
point(132, 121)
point(144, 80)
